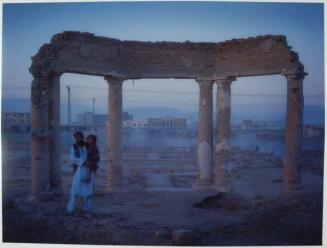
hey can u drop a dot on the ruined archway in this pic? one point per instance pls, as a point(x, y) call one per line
point(116, 61)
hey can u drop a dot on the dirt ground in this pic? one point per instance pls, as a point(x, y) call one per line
point(156, 206)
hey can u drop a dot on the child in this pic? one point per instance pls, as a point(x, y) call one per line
point(92, 156)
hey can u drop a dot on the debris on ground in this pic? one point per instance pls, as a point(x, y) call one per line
point(222, 200)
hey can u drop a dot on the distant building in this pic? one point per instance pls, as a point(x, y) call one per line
point(267, 125)
point(127, 116)
point(166, 123)
point(313, 131)
point(16, 121)
point(135, 124)
point(193, 125)
point(246, 124)
point(89, 119)
point(235, 126)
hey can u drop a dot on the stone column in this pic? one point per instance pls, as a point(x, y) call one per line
point(294, 131)
point(54, 134)
point(39, 133)
point(115, 175)
point(205, 135)
point(223, 133)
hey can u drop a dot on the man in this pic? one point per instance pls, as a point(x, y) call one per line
point(78, 156)
point(77, 150)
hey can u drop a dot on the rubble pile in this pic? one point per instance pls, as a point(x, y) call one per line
point(223, 200)
point(297, 215)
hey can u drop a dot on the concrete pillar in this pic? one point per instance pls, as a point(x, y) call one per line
point(40, 134)
point(205, 135)
point(223, 133)
point(54, 134)
point(294, 131)
point(115, 175)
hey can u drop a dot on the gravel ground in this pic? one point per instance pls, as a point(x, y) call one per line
point(159, 207)
point(151, 218)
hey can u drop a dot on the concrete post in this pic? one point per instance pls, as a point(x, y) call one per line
point(39, 134)
point(294, 131)
point(205, 135)
point(223, 132)
point(54, 134)
point(115, 175)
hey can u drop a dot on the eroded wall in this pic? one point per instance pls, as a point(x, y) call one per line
point(88, 54)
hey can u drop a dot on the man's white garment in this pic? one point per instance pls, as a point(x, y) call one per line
point(79, 186)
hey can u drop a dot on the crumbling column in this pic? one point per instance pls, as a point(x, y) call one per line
point(205, 135)
point(115, 175)
point(40, 133)
point(223, 133)
point(54, 134)
point(294, 131)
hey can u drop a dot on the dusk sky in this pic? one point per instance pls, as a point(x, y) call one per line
point(27, 26)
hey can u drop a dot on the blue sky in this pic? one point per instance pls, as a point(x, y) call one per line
point(27, 26)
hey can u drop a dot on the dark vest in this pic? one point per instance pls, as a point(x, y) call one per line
point(77, 151)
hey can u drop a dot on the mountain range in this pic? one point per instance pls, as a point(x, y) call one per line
point(313, 115)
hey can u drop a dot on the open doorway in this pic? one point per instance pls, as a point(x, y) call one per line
point(258, 117)
point(83, 107)
point(159, 129)
point(160, 141)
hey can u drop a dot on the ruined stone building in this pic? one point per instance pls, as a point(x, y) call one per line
point(207, 63)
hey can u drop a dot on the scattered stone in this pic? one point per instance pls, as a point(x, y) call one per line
point(88, 216)
point(48, 196)
point(227, 201)
point(279, 180)
point(182, 237)
point(266, 214)
point(163, 234)
point(258, 197)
